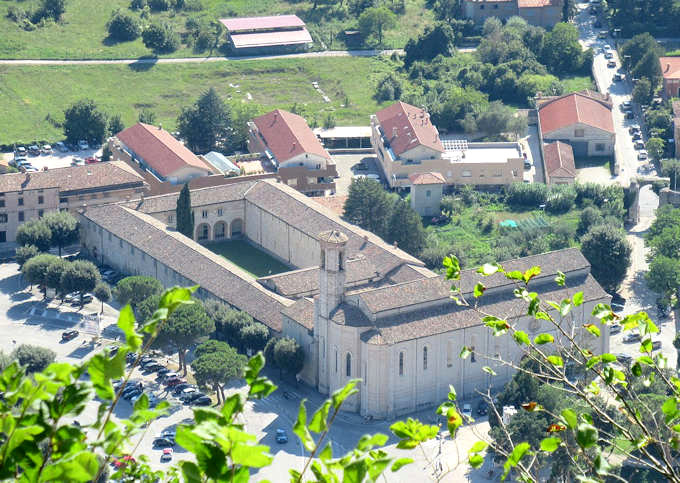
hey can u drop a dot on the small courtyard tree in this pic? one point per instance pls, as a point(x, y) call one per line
point(35, 270)
point(34, 357)
point(36, 233)
point(184, 214)
point(63, 226)
point(81, 276)
point(103, 293)
point(217, 365)
point(134, 290)
point(289, 355)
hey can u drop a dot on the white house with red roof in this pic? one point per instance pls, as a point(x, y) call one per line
point(581, 119)
point(559, 163)
point(670, 69)
point(294, 150)
point(406, 143)
point(158, 152)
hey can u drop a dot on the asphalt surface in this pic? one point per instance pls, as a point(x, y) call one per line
point(626, 155)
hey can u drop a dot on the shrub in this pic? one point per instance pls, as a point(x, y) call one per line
point(160, 37)
point(34, 357)
point(560, 199)
point(522, 194)
point(160, 5)
point(123, 27)
point(138, 4)
point(389, 88)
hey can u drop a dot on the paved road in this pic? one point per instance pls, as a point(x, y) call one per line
point(164, 60)
point(626, 155)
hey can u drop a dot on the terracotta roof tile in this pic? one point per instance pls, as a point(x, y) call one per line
point(559, 160)
point(575, 108)
point(104, 176)
point(449, 316)
point(427, 178)
point(335, 203)
point(670, 67)
point(287, 135)
point(412, 126)
point(159, 149)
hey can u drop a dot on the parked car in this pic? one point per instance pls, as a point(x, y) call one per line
point(132, 392)
point(168, 433)
point(639, 144)
point(167, 454)
point(76, 161)
point(174, 382)
point(482, 408)
point(281, 436)
point(631, 337)
point(179, 388)
point(608, 54)
point(201, 401)
point(611, 64)
point(637, 135)
point(69, 335)
point(82, 144)
point(190, 397)
point(91, 160)
point(20, 151)
point(656, 345)
point(34, 150)
point(627, 105)
point(615, 329)
point(46, 149)
point(633, 129)
point(61, 147)
point(642, 156)
point(629, 115)
point(146, 360)
point(162, 372)
point(163, 442)
point(85, 299)
point(153, 367)
point(467, 412)
point(618, 77)
point(602, 34)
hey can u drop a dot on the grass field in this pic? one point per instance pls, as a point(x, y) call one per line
point(573, 84)
point(249, 258)
point(82, 31)
point(29, 94)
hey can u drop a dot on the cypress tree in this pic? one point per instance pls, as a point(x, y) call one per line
point(185, 217)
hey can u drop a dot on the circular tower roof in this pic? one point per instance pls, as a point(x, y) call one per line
point(333, 236)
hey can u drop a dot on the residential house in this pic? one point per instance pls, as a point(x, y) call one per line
point(406, 142)
point(544, 13)
point(158, 152)
point(581, 119)
point(300, 159)
point(670, 69)
point(279, 34)
point(426, 194)
point(558, 158)
point(27, 196)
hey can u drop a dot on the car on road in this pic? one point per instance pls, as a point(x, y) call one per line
point(467, 412)
point(153, 367)
point(69, 335)
point(637, 135)
point(190, 397)
point(608, 54)
point(179, 388)
point(82, 144)
point(639, 144)
point(656, 345)
point(627, 106)
point(85, 299)
point(611, 64)
point(602, 34)
point(624, 358)
point(76, 161)
point(167, 454)
point(91, 160)
point(163, 443)
point(642, 156)
point(631, 337)
point(633, 129)
point(281, 436)
point(61, 147)
point(168, 433)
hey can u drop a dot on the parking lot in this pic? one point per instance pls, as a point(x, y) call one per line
point(351, 165)
point(56, 159)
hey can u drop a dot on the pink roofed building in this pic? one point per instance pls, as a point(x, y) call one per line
point(276, 34)
point(293, 148)
point(544, 13)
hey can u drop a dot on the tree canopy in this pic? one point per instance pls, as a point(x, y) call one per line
point(206, 124)
point(103, 293)
point(36, 233)
point(133, 290)
point(217, 365)
point(24, 253)
point(63, 228)
point(184, 213)
point(608, 252)
point(81, 276)
point(35, 269)
point(289, 355)
point(84, 121)
point(367, 206)
point(34, 357)
point(375, 20)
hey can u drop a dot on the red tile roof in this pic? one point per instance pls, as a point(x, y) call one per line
point(575, 108)
point(263, 39)
point(261, 23)
point(287, 135)
point(559, 160)
point(427, 178)
point(412, 127)
point(159, 149)
point(670, 67)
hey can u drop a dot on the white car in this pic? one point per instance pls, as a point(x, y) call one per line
point(46, 149)
point(467, 413)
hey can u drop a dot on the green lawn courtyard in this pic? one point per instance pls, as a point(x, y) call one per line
point(246, 256)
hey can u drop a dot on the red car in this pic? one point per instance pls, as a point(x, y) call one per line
point(91, 160)
point(175, 381)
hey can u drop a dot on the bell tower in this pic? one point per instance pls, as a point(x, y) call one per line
point(331, 292)
point(331, 270)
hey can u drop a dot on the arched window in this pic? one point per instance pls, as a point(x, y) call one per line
point(348, 364)
point(401, 363)
point(425, 358)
